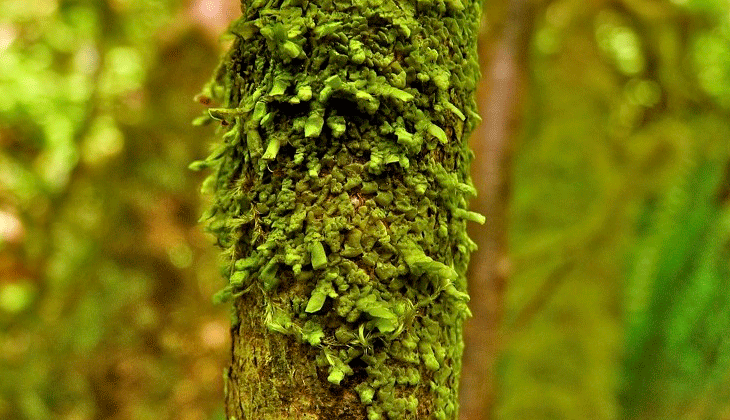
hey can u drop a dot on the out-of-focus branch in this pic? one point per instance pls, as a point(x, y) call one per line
point(211, 17)
point(499, 99)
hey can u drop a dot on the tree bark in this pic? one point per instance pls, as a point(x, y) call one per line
point(341, 184)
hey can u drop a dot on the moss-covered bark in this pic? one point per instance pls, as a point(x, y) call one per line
point(341, 185)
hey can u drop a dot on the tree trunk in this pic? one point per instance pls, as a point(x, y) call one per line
point(341, 184)
point(500, 104)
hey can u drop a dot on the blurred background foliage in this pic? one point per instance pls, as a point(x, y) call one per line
point(619, 219)
point(105, 277)
point(618, 303)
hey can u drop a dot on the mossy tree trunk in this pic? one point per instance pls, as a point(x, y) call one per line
point(341, 184)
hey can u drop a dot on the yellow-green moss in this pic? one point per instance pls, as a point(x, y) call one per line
point(341, 186)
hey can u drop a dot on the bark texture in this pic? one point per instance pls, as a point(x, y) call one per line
point(340, 185)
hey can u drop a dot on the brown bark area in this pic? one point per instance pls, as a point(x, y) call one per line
point(499, 98)
point(272, 376)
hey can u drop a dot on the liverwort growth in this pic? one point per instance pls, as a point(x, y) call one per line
point(341, 185)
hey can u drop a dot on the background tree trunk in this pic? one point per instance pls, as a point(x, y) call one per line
point(499, 98)
point(341, 189)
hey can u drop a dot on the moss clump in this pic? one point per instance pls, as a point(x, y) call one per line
point(341, 185)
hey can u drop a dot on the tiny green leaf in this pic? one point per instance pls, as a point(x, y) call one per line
point(291, 50)
point(268, 275)
point(336, 376)
point(316, 301)
point(199, 165)
point(313, 126)
point(271, 150)
point(319, 257)
point(437, 132)
point(304, 93)
point(312, 333)
point(469, 215)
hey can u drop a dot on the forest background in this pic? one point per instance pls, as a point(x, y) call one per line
point(604, 157)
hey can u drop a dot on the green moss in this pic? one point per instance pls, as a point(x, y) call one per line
point(360, 194)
